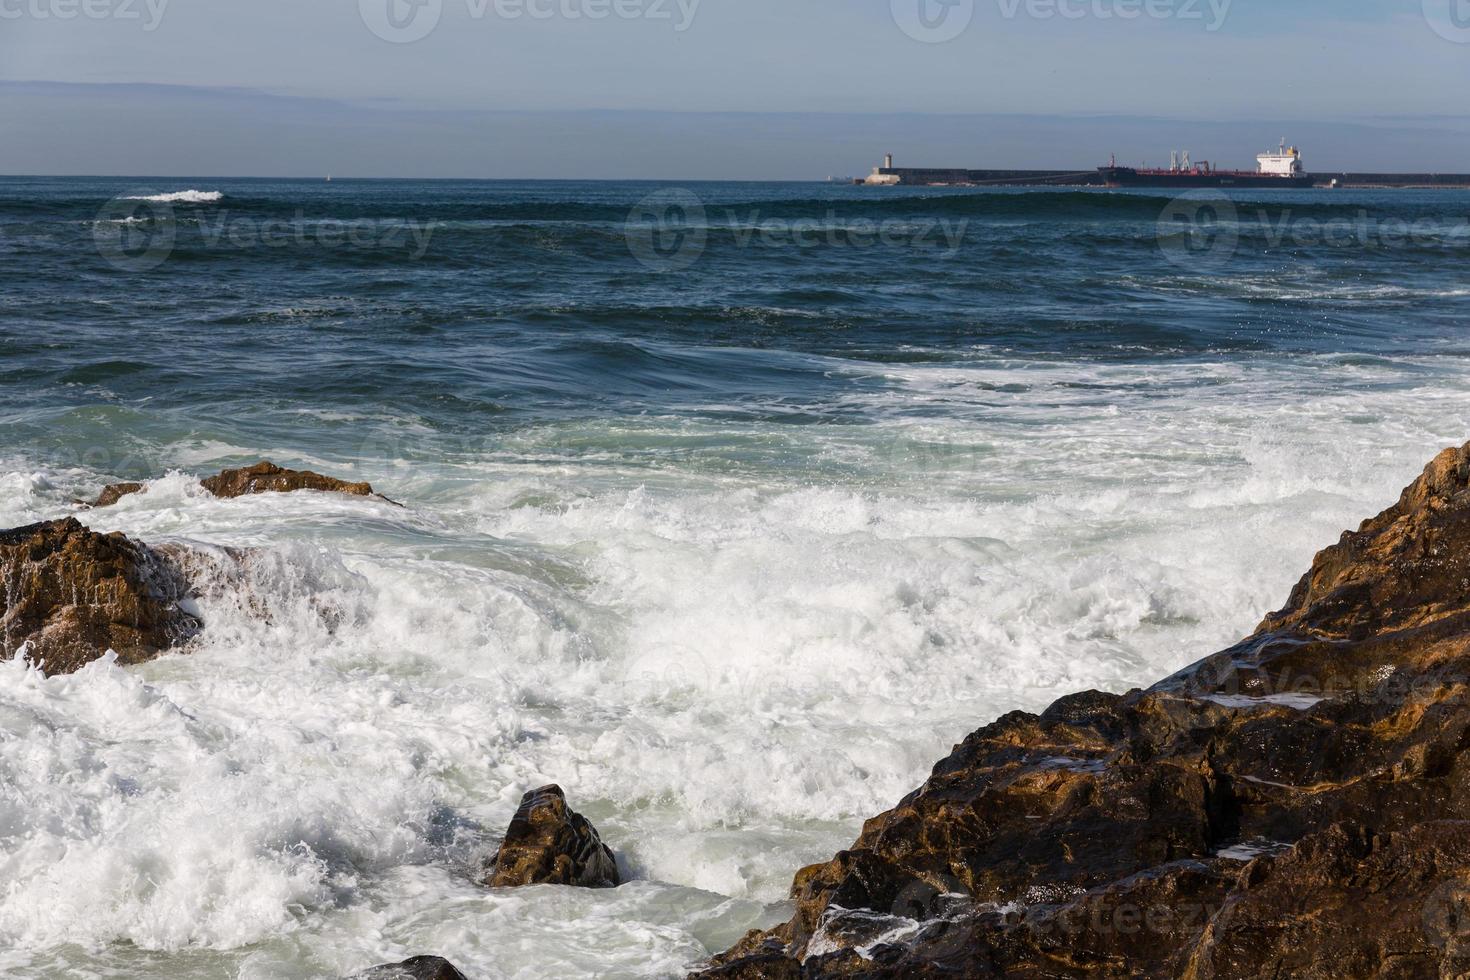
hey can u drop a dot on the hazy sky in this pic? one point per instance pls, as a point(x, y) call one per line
point(457, 77)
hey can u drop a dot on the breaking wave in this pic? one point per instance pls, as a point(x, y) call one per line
point(180, 197)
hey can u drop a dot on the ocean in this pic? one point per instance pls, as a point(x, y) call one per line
point(730, 507)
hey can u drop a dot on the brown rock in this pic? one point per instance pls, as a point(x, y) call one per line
point(760, 967)
point(549, 844)
point(1293, 806)
point(267, 477)
point(1388, 903)
point(114, 492)
point(1406, 567)
point(263, 477)
point(72, 594)
point(417, 968)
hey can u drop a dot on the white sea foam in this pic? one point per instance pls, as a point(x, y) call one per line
point(730, 643)
point(180, 197)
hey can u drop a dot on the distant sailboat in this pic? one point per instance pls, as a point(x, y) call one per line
point(329, 178)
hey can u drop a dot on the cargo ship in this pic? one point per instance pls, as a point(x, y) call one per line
point(1281, 169)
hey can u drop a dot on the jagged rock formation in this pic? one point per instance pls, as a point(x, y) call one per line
point(1295, 806)
point(266, 477)
point(417, 968)
point(114, 492)
point(263, 477)
point(71, 594)
point(549, 844)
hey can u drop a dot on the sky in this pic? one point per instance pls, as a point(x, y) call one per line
point(765, 89)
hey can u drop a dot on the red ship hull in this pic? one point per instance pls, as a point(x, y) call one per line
point(1129, 177)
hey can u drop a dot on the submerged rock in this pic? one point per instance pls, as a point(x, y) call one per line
point(114, 492)
point(263, 477)
point(417, 968)
point(549, 844)
point(1294, 806)
point(267, 477)
point(70, 594)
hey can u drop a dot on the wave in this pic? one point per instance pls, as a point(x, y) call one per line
point(720, 207)
point(751, 212)
point(180, 197)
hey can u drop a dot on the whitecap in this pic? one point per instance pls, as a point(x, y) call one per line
point(180, 197)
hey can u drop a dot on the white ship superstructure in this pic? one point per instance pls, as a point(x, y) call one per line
point(1285, 162)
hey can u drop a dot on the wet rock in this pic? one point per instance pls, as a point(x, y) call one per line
point(267, 477)
point(417, 968)
point(1293, 806)
point(1384, 903)
point(70, 594)
point(549, 844)
point(766, 967)
point(114, 492)
point(263, 477)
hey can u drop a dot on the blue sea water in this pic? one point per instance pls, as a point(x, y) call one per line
point(729, 507)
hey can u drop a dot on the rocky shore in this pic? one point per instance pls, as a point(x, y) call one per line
point(69, 595)
point(1295, 806)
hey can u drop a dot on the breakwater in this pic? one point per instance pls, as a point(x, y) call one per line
point(949, 177)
